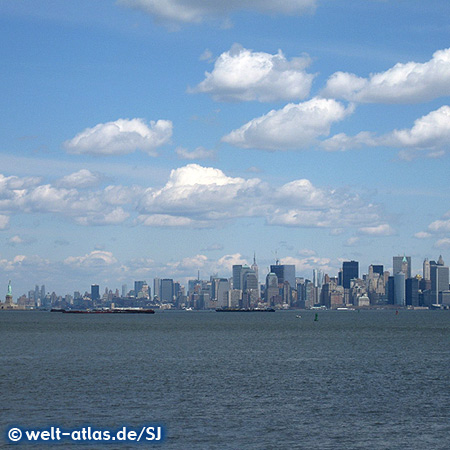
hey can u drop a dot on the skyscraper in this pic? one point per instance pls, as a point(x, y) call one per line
point(350, 270)
point(426, 269)
point(399, 289)
point(284, 272)
point(402, 264)
point(138, 285)
point(237, 268)
point(439, 280)
point(95, 292)
point(167, 291)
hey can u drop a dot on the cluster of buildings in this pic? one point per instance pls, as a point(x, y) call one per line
point(282, 289)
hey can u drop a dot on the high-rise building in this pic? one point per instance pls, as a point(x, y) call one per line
point(95, 292)
point(254, 267)
point(222, 290)
point(272, 291)
point(350, 271)
point(167, 290)
point(412, 291)
point(138, 285)
point(157, 287)
point(237, 268)
point(124, 290)
point(399, 289)
point(426, 269)
point(439, 275)
point(402, 264)
point(284, 272)
point(378, 268)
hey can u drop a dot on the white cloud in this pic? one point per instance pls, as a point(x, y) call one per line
point(422, 235)
point(202, 193)
point(16, 240)
point(166, 220)
point(296, 126)
point(429, 133)
point(383, 229)
point(309, 263)
point(440, 226)
point(198, 197)
point(442, 243)
point(195, 11)
point(84, 178)
point(4, 222)
point(404, 83)
point(121, 137)
point(198, 153)
point(96, 258)
point(244, 75)
point(352, 241)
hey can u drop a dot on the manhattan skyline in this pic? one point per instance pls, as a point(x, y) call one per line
point(141, 139)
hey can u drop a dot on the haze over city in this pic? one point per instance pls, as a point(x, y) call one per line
point(145, 139)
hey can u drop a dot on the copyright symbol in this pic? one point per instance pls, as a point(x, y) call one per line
point(15, 434)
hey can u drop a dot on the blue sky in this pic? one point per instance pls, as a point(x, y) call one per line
point(145, 138)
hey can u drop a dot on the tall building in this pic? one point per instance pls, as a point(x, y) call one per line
point(272, 291)
point(222, 292)
point(254, 267)
point(138, 285)
point(350, 270)
point(284, 272)
point(378, 268)
point(402, 264)
point(399, 289)
point(167, 291)
point(124, 290)
point(426, 269)
point(439, 275)
point(95, 292)
point(237, 269)
point(157, 287)
point(412, 291)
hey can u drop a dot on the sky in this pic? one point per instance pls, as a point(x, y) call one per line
point(162, 138)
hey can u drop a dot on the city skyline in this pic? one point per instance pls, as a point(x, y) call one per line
point(141, 139)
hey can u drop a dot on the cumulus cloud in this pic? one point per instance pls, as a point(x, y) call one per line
point(194, 11)
point(296, 126)
point(306, 265)
point(96, 258)
point(442, 243)
point(198, 153)
point(430, 133)
point(404, 83)
point(383, 229)
point(84, 178)
point(422, 235)
point(196, 196)
point(243, 75)
point(121, 137)
point(4, 222)
point(202, 193)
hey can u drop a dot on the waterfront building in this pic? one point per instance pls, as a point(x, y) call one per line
point(399, 289)
point(95, 292)
point(350, 271)
point(402, 264)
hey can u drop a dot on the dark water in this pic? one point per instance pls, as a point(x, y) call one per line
point(368, 380)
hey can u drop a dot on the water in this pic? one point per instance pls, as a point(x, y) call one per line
point(368, 380)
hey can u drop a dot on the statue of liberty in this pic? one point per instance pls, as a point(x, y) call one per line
point(9, 288)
